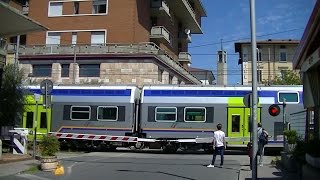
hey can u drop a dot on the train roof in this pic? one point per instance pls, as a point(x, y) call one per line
point(239, 88)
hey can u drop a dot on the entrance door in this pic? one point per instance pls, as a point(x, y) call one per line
point(239, 125)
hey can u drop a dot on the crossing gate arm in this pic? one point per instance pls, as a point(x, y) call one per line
point(94, 137)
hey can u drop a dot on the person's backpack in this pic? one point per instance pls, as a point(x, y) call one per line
point(263, 138)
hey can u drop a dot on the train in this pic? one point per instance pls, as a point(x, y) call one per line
point(167, 117)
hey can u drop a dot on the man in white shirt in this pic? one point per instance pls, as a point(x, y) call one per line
point(219, 145)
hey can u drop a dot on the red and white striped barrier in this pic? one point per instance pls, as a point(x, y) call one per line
point(94, 137)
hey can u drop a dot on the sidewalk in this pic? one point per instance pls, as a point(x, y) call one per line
point(267, 172)
point(13, 164)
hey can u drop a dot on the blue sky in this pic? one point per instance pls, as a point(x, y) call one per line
point(230, 20)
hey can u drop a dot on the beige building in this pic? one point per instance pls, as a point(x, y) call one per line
point(111, 41)
point(274, 58)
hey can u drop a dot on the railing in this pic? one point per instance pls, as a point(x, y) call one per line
point(184, 56)
point(109, 48)
point(160, 4)
point(160, 31)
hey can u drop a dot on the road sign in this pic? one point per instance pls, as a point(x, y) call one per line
point(46, 86)
point(247, 100)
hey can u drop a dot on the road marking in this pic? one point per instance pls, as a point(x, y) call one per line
point(30, 176)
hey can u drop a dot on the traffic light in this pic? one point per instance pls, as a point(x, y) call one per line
point(274, 110)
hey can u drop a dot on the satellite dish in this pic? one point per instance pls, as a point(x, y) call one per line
point(187, 31)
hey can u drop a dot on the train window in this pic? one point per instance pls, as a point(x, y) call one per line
point(29, 120)
point(195, 114)
point(164, 114)
point(107, 113)
point(235, 123)
point(43, 120)
point(291, 97)
point(80, 113)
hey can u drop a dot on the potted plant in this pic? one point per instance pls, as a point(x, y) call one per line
point(292, 137)
point(49, 146)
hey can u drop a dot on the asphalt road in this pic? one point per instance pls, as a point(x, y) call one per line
point(143, 165)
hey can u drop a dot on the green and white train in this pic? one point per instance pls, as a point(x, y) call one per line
point(164, 117)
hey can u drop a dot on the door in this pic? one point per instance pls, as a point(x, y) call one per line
point(36, 115)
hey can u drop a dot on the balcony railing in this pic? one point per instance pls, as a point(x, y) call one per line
point(160, 32)
point(184, 56)
point(160, 5)
point(141, 48)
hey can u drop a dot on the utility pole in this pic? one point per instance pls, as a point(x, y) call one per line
point(284, 122)
point(74, 65)
point(16, 59)
point(254, 90)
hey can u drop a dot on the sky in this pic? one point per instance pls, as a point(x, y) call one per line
point(229, 20)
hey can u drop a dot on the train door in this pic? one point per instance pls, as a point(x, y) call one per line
point(36, 116)
point(238, 123)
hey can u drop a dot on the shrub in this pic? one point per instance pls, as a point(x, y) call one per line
point(49, 145)
point(292, 136)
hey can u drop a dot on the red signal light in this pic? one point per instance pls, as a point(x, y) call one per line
point(274, 110)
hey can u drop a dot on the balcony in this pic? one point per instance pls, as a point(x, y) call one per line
point(186, 14)
point(159, 7)
point(25, 9)
point(160, 33)
point(184, 37)
point(85, 50)
point(184, 57)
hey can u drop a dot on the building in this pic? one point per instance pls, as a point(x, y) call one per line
point(274, 58)
point(13, 23)
point(111, 41)
point(222, 68)
point(205, 76)
point(307, 60)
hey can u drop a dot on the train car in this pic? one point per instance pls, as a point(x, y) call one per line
point(80, 114)
point(173, 117)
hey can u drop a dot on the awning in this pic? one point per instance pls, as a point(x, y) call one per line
point(13, 23)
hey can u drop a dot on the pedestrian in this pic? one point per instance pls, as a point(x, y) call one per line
point(219, 145)
point(262, 141)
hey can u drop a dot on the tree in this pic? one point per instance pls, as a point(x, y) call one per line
point(288, 78)
point(11, 96)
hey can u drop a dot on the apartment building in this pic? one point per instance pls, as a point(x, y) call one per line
point(274, 58)
point(111, 41)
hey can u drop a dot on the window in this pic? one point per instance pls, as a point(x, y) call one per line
point(55, 9)
point(42, 70)
point(291, 97)
point(97, 37)
point(283, 56)
point(282, 46)
point(89, 70)
point(259, 56)
point(160, 73)
point(80, 113)
point(29, 120)
point(99, 7)
point(259, 75)
point(166, 114)
point(76, 7)
point(236, 123)
point(105, 113)
point(74, 38)
point(65, 70)
point(283, 73)
point(170, 79)
point(53, 38)
point(154, 21)
point(43, 120)
point(196, 114)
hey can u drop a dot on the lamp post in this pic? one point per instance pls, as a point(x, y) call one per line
point(254, 90)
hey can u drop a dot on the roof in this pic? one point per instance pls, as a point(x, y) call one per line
point(199, 71)
point(307, 38)
point(13, 22)
point(238, 45)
